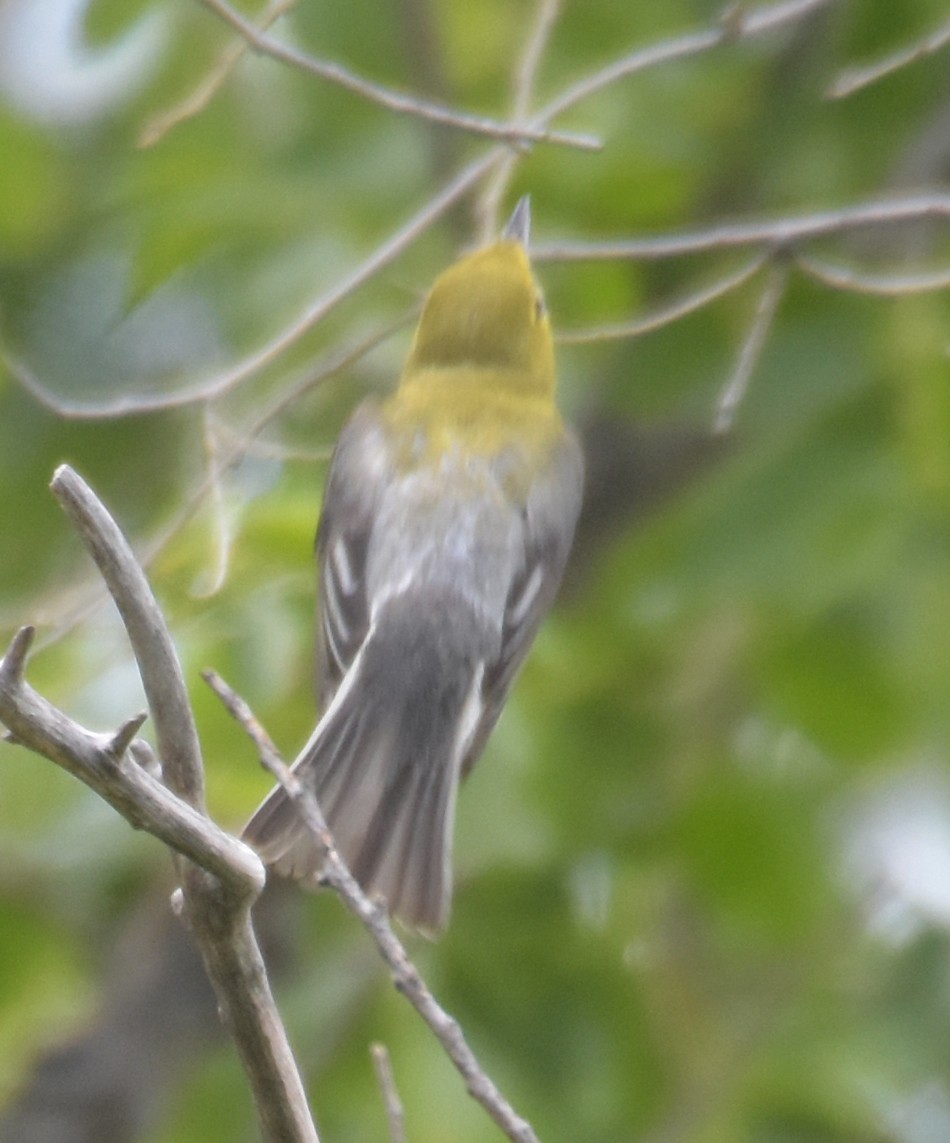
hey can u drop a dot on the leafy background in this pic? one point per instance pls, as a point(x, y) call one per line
point(704, 867)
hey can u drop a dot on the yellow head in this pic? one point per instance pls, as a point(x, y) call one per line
point(487, 313)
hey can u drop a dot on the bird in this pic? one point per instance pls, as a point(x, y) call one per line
point(449, 512)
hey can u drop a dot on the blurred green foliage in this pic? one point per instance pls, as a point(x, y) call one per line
point(685, 911)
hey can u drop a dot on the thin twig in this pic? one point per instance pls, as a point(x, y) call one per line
point(862, 282)
point(457, 186)
point(239, 710)
point(735, 388)
point(739, 24)
point(221, 527)
point(199, 98)
point(393, 100)
point(218, 384)
point(372, 915)
point(854, 79)
point(771, 232)
point(395, 1116)
point(272, 449)
point(525, 75)
point(309, 378)
point(666, 315)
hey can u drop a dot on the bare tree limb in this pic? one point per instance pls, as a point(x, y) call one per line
point(372, 915)
point(393, 100)
point(222, 876)
point(101, 761)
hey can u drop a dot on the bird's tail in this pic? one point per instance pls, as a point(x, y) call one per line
point(384, 764)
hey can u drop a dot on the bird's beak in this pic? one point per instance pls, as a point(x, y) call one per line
point(518, 227)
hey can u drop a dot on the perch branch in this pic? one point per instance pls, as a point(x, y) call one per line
point(222, 876)
point(373, 917)
point(529, 61)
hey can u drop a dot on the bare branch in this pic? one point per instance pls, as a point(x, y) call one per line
point(125, 405)
point(666, 315)
point(309, 377)
point(861, 282)
point(770, 232)
point(198, 99)
point(239, 710)
point(387, 1085)
point(220, 383)
point(735, 388)
point(224, 876)
point(372, 915)
point(271, 449)
point(854, 79)
point(393, 100)
point(222, 537)
point(101, 762)
point(545, 19)
point(525, 75)
point(390, 249)
point(737, 24)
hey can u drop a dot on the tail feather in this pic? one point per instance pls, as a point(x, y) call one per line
point(384, 764)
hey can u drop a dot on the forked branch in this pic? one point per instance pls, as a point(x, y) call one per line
point(221, 877)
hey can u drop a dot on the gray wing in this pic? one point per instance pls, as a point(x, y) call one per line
point(359, 473)
point(548, 523)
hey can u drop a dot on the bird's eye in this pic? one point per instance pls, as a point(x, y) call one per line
point(540, 309)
